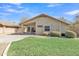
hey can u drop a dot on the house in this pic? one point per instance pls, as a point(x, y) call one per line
point(7, 27)
point(43, 23)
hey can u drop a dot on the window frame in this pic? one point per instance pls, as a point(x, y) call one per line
point(47, 29)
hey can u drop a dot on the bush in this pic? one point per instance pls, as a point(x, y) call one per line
point(45, 34)
point(55, 34)
point(70, 34)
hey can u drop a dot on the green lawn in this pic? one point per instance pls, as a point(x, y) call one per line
point(34, 46)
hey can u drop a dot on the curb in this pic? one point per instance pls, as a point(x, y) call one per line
point(6, 50)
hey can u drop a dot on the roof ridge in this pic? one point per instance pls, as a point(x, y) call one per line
point(43, 15)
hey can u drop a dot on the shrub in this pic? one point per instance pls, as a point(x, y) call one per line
point(70, 34)
point(45, 33)
point(55, 34)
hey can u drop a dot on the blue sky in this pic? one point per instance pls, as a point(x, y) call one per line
point(16, 11)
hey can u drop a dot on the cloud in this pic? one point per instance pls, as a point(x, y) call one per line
point(53, 5)
point(15, 4)
point(24, 12)
point(19, 9)
point(4, 14)
point(0, 7)
point(18, 5)
point(74, 12)
point(5, 6)
point(10, 10)
point(10, 5)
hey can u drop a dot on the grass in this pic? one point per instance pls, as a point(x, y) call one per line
point(35, 46)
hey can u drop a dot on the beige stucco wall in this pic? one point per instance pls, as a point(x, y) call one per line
point(54, 24)
point(45, 21)
point(7, 30)
point(1, 30)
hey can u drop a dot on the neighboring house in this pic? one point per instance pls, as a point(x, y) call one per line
point(8, 27)
point(43, 23)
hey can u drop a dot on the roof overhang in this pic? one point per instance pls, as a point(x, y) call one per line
point(41, 15)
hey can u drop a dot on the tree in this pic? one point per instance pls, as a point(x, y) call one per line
point(77, 18)
point(62, 19)
point(24, 19)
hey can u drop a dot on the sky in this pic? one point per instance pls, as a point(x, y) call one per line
point(16, 11)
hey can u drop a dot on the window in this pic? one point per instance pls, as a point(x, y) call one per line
point(47, 28)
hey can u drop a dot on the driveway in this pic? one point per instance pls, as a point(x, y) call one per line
point(5, 39)
point(9, 38)
point(3, 47)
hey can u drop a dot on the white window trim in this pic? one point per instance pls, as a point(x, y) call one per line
point(49, 26)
